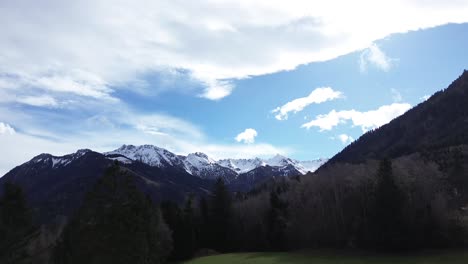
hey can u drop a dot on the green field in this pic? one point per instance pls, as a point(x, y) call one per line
point(331, 258)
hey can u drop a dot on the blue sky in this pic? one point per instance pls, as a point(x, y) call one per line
point(249, 79)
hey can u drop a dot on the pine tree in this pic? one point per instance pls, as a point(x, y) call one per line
point(389, 227)
point(204, 223)
point(190, 229)
point(220, 217)
point(175, 219)
point(115, 224)
point(276, 220)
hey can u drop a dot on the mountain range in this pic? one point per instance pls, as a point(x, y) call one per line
point(56, 185)
point(200, 165)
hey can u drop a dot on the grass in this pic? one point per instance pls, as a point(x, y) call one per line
point(457, 257)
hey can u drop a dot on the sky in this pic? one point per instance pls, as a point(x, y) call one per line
point(233, 79)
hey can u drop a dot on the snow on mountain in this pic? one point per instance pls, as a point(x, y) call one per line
point(120, 158)
point(312, 165)
point(59, 161)
point(301, 166)
point(246, 165)
point(279, 161)
point(199, 164)
point(149, 154)
point(241, 165)
point(198, 160)
point(196, 163)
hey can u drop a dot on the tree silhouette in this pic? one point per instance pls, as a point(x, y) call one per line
point(388, 222)
point(15, 224)
point(115, 224)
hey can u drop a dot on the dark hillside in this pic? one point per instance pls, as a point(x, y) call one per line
point(439, 122)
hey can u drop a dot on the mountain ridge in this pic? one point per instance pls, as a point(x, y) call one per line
point(199, 164)
point(55, 185)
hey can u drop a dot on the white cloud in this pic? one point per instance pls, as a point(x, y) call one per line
point(425, 97)
point(345, 139)
point(6, 129)
point(90, 48)
point(366, 120)
point(43, 100)
point(376, 57)
point(248, 136)
point(216, 89)
point(317, 96)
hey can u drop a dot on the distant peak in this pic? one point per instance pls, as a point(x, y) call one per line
point(279, 157)
point(127, 147)
point(83, 151)
point(42, 156)
point(200, 154)
point(140, 147)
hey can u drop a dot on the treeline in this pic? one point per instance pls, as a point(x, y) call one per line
point(389, 205)
point(404, 204)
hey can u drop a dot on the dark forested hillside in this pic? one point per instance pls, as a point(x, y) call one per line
point(440, 121)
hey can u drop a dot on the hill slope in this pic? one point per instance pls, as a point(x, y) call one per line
point(440, 121)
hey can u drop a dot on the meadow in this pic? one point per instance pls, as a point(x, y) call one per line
point(457, 257)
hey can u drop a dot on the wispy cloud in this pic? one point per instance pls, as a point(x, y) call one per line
point(160, 124)
point(247, 136)
point(366, 120)
point(317, 96)
point(376, 57)
point(44, 100)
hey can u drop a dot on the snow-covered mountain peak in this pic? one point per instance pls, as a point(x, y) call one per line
point(279, 161)
point(201, 155)
point(149, 154)
point(242, 165)
point(199, 163)
point(199, 160)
